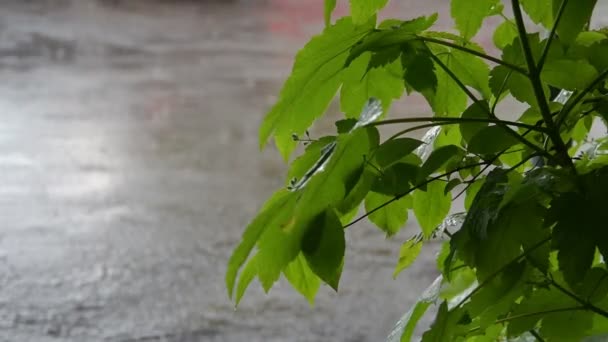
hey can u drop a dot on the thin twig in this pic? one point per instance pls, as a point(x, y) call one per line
point(459, 121)
point(581, 301)
point(501, 269)
point(474, 99)
point(418, 186)
point(543, 57)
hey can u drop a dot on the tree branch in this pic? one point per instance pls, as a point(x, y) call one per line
point(534, 76)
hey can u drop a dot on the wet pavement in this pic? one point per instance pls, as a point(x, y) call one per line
point(129, 167)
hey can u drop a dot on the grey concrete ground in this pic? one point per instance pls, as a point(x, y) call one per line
point(129, 167)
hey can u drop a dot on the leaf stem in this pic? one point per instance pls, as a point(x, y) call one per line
point(532, 314)
point(459, 121)
point(534, 76)
point(418, 186)
point(583, 302)
point(474, 99)
point(504, 267)
point(536, 335)
point(474, 52)
point(578, 98)
point(543, 57)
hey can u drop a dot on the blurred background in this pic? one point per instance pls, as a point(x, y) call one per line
point(129, 167)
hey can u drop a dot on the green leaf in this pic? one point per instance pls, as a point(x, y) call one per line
point(505, 236)
point(469, 14)
point(281, 243)
point(504, 34)
point(484, 208)
point(573, 236)
point(275, 212)
point(363, 10)
point(438, 159)
point(362, 181)
point(390, 218)
point(323, 246)
point(477, 110)
point(431, 207)
point(443, 326)
point(498, 294)
point(360, 84)
point(329, 7)
point(491, 140)
point(576, 15)
point(404, 329)
point(315, 78)
point(595, 285)
point(397, 179)
point(419, 70)
point(412, 318)
point(449, 99)
point(407, 255)
point(568, 74)
point(394, 150)
point(307, 160)
point(563, 326)
point(451, 185)
point(247, 275)
point(540, 11)
point(302, 278)
point(471, 193)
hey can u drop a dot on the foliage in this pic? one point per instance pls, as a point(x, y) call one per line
point(527, 259)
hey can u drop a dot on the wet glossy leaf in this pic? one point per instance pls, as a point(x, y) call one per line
point(469, 14)
point(276, 211)
point(568, 74)
point(394, 150)
point(484, 208)
point(491, 140)
point(302, 278)
point(505, 34)
point(329, 6)
point(477, 110)
point(390, 218)
point(431, 207)
point(407, 255)
point(576, 15)
point(363, 10)
point(304, 162)
point(315, 78)
point(280, 244)
point(323, 246)
point(404, 328)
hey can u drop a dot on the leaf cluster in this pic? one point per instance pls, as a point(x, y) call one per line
point(527, 258)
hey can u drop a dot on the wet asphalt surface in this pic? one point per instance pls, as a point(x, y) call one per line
point(129, 167)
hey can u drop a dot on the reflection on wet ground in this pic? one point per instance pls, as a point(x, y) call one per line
point(129, 167)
